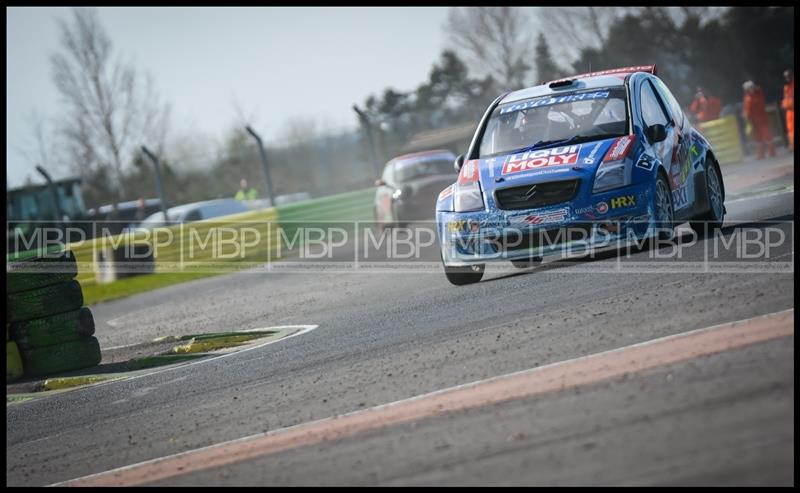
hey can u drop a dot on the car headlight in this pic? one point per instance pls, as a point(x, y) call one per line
point(397, 193)
point(610, 175)
point(468, 197)
point(615, 170)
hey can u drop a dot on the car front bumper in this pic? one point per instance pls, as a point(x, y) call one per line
point(602, 220)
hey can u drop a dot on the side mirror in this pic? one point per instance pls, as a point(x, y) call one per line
point(379, 182)
point(458, 163)
point(655, 133)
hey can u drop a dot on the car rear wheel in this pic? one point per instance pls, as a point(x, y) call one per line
point(460, 276)
point(715, 216)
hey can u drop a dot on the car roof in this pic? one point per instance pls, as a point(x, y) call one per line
point(591, 82)
point(131, 204)
point(197, 205)
point(174, 213)
point(414, 156)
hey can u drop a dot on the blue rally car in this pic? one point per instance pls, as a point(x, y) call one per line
point(574, 165)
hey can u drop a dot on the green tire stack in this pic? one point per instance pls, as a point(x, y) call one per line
point(50, 329)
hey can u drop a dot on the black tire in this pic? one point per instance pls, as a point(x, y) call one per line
point(68, 356)
point(20, 278)
point(664, 209)
point(526, 263)
point(46, 301)
point(715, 216)
point(55, 329)
point(460, 276)
point(396, 223)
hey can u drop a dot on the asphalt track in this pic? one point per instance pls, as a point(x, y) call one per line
point(721, 418)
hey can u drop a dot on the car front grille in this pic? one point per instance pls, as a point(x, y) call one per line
point(537, 195)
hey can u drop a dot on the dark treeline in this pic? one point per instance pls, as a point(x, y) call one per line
point(690, 47)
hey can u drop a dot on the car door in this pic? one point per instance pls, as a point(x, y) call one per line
point(668, 151)
point(654, 113)
point(681, 170)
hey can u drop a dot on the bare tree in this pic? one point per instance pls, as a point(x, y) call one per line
point(42, 148)
point(570, 29)
point(111, 109)
point(498, 38)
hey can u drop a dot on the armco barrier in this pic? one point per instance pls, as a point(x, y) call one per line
point(723, 134)
point(338, 211)
point(187, 246)
point(351, 206)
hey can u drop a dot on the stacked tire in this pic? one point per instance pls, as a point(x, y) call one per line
point(49, 326)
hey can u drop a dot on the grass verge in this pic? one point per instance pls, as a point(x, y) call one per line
point(97, 293)
point(16, 399)
point(69, 382)
point(160, 360)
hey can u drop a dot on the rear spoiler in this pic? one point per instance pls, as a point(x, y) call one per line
point(650, 69)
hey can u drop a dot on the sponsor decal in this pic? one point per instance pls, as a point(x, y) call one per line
point(526, 161)
point(620, 148)
point(590, 158)
point(455, 226)
point(602, 207)
point(645, 162)
point(541, 218)
point(490, 165)
point(469, 172)
point(446, 192)
point(538, 173)
point(675, 172)
point(623, 201)
point(679, 198)
point(680, 172)
point(685, 169)
point(551, 100)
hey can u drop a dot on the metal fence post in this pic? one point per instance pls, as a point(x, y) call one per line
point(367, 126)
point(159, 181)
point(263, 164)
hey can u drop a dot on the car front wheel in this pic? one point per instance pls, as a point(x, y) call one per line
point(460, 276)
point(663, 209)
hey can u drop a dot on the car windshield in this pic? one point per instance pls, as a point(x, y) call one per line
point(575, 117)
point(411, 170)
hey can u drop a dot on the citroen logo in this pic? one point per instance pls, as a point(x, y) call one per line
point(530, 193)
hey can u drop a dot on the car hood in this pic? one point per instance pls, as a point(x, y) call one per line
point(432, 182)
point(545, 164)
